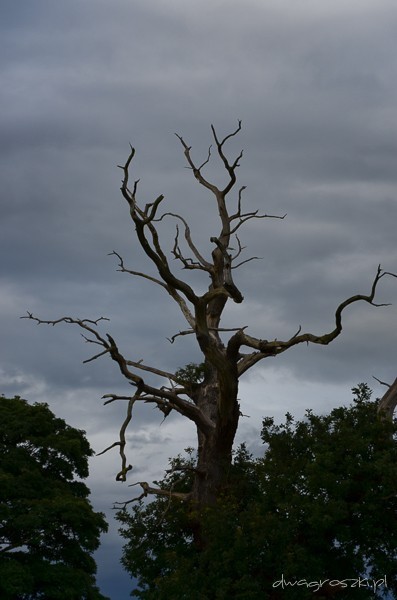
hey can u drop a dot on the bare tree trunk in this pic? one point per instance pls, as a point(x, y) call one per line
point(215, 448)
point(388, 402)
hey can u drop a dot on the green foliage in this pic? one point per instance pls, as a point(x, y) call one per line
point(321, 503)
point(192, 373)
point(48, 529)
point(332, 482)
point(159, 533)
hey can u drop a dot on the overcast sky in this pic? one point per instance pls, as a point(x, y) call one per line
point(315, 85)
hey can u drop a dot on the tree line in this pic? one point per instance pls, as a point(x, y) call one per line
point(315, 512)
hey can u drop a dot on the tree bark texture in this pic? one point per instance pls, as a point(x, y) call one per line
point(388, 402)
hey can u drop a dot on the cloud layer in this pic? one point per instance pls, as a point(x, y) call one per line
point(315, 86)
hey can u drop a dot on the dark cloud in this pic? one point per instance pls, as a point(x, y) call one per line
point(315, 86)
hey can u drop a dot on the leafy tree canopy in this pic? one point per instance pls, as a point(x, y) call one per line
point(320, 504)
point(48, 529)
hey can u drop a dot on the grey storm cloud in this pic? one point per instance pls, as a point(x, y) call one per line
point(314, 84)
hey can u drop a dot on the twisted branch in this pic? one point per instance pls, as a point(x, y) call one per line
point(122, 474)
point(161, 395)
point(264, 348)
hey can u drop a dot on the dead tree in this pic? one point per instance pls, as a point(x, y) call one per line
point(388, 402)
point(211, 403)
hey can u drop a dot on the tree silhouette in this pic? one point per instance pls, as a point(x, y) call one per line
point(48, 528)
point(211, 401)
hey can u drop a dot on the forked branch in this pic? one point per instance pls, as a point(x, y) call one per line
point(122, 474)
point(201, 262)
point(162, 395)
point(143, 220)
point(230, 168)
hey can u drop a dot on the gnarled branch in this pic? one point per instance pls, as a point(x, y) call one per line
point(205, 265)
point(228, 282)
point(143, 220)
point(122, 474)
point(172, 292)
point(230, 168)
point(264, 348)
point(187, 409)
point(147, 489)
point(244, 217)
